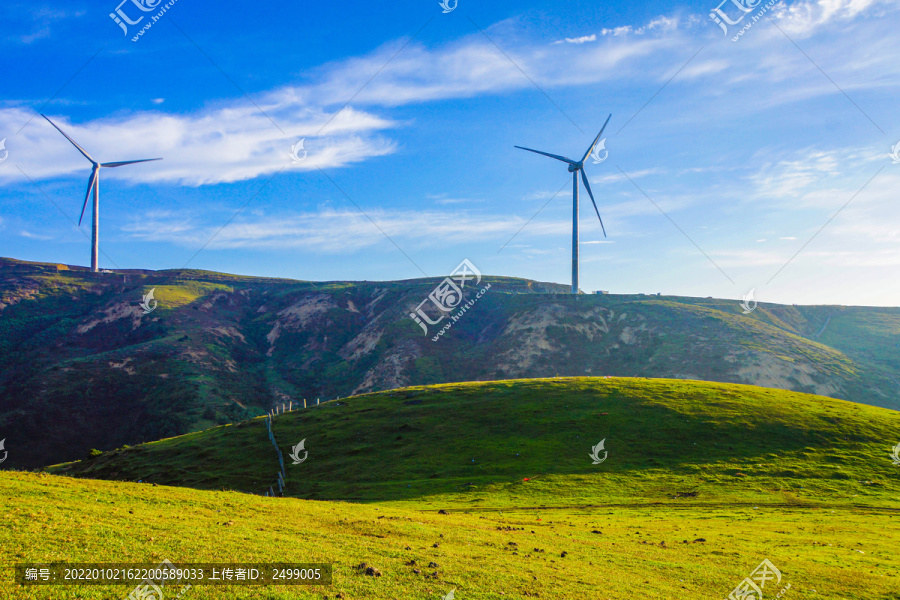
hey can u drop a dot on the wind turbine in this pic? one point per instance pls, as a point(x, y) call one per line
point(94, 184)
point(574, 168)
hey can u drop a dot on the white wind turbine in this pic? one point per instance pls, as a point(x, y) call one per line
point(94, 184)
point(574, 168)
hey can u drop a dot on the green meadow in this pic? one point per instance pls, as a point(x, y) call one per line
point(489, 489)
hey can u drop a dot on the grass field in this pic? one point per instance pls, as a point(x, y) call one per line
point(492, 483)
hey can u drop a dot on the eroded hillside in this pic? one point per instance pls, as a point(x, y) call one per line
point(85, 366)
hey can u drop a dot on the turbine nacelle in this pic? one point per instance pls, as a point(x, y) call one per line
point(575, 166)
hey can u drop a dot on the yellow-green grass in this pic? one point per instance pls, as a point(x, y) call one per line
point(849, 553)
point(802, 480)
point(183, 293)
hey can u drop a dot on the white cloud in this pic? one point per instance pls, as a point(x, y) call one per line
point(704, 67)
point(336, 231)
point(232, 140)
point(223, 144)
point(617, 31)
point(661, 23)
point(581, 40)
point(814, 178)
point(444, 200)
point(843, 225)
point(803, 18)
point(790, 178)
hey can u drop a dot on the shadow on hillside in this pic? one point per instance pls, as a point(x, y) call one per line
point(453, 439)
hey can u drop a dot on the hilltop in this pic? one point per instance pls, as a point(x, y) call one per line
point(474, 443)
point(82, 366)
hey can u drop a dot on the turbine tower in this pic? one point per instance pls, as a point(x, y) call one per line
point(94, 184)
point(574, 168)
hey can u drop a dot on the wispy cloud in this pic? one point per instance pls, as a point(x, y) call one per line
point(231, 141)
point(335, 231)
point(224, 144)
point(803, 18)
point(813, 176)
point(444, 200)
point(35, 236)
point(617, 177)
point(40, 18)
point(580, 40)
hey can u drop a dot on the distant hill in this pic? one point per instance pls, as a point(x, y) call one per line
point(82, 366)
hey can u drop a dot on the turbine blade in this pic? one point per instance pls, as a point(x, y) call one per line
point(127, 162)
point(591, 194)
point(91, 183)
point(80, 149)
point(596, 139)
point(562, 158)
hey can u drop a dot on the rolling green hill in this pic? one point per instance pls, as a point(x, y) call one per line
point(82, 366)
point(476, 443)
point(488, 489)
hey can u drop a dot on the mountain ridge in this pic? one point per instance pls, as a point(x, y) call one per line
point(83, 366)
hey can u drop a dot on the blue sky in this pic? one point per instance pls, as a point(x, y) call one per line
point(762, 163)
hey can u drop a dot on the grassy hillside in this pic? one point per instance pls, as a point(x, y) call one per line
point(702, 482)
point(476, 443)
point(83, 367)
point(650, 552)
